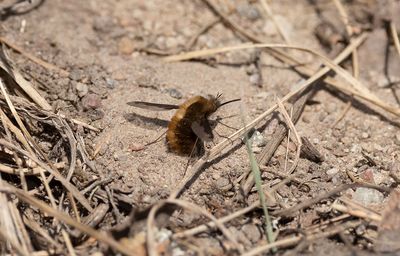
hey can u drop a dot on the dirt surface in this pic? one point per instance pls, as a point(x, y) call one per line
point(106, 47)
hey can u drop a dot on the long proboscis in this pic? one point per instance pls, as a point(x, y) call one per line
point(227, 102)
point(152, 106)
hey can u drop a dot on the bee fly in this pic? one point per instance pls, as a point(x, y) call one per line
point(190, 122)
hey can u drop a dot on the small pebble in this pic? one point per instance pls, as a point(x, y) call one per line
point(364, 135)
point(255, 79)
point(119, 75)
point(263, 95)
point(360, 230)
point(163, 235)
point(355, 148)
point(306, 119)
point(174, 93)
point(256, 150)
point(222, 182)
point(136, 147)
point(76, 74)
point(248, 11)
point(378, 147)
point(82, 89)
point(252, 232)
point(368, 176)
point(111, 83)
point(216, 176)
point(126, 46)
point(171, 42)
point(95, 114)
point(258, 140)
point(91, 101)
point(397, 138)
point(368, 196)
point(332, 171)
point(331, 107)
point(103, 24)
point(121, 156)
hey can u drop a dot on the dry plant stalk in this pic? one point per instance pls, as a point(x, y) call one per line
point(33, 58)
point(151, 245)
point(293, 129)
point(24, 196)
point(225, 144)
point(269, 12)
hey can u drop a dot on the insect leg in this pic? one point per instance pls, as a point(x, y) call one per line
point(156, 140)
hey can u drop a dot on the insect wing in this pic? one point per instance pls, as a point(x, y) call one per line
point(152, 106)
point(202, 129)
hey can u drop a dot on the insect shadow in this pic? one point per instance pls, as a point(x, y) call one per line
point(146, 122)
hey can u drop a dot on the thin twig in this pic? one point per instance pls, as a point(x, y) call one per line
point(68, 243)
point(25, 85)
point(33, 58)
point(293, 129)
point(349, 31)
point(307, 203)
point(17, 247)
point(296, 239)
point(202, 30)
point(359, 210)
point(268, 10)
point(21, 125)
point(395, 36)
point(204, 227)
point(269, 150)
point(54, 172)
point(341, 116)
point(24, 196)
point(225, 144)
point(151, 246)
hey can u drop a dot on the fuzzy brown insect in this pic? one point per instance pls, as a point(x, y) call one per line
point(190, 122)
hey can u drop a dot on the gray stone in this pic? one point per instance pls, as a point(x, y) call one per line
point(252, 232)
point(91, 101)
point(368, 196)
point(111, 83)
point(82, 89)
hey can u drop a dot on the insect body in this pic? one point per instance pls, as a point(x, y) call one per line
point(189, 124)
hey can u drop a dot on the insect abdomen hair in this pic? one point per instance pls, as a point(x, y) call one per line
point(180, 137)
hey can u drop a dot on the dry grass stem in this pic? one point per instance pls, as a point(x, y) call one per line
point(21, 125)
point(284, 57)
point(211, 224)
point(335, 191)
point(17, 247)
point(270, 14)
point(356, 209)
point(296, 135)
point(33, 58)
point(151, 244)
point(327, 62)
point(22, 82)
point(35, 227)
point(355, 212)
point(68, 243)
point(55, 173)
point(349, 31)
point(225, 144)
point(342, 115)
point(296, 239)
point(202, 30)
point(20, 227)
point(395, 36)
point(24, 196)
